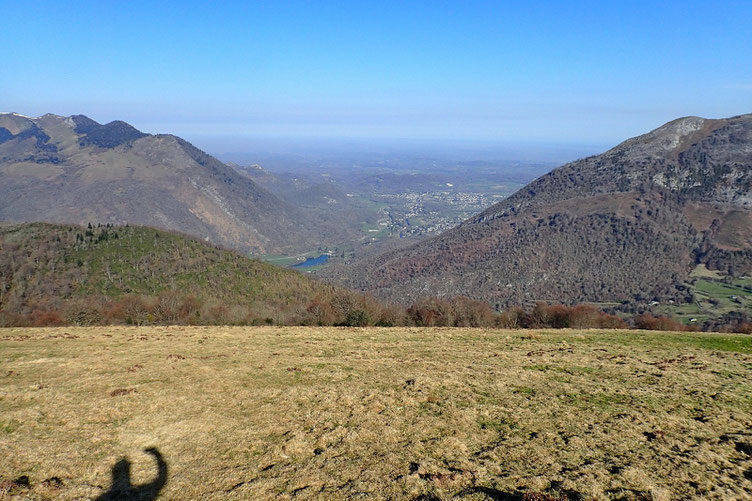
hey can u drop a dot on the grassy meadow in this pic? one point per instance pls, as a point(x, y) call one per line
point(378, 413)
point(715, 294)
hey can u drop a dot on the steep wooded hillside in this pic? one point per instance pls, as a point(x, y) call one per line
point(44, 266)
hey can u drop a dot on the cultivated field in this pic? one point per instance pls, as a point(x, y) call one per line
point(403, 413)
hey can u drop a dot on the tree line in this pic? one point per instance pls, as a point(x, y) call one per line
point(339, 308)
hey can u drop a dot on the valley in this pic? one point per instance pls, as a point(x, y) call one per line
point(622, 230)
point(389, 201)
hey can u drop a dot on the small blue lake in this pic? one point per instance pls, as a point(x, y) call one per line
point(313, 261)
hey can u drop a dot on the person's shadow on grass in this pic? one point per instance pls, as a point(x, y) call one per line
point(122, 488)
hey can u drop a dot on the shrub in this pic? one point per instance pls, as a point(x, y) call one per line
point(557, 316)
point(373, 309)
point(113, 312)
point(345, 308)
point(320, 312)
point(9, 319)
point(84, 313)
point(189, 307)
point(46, 318)
point(168, 307)
point(511, 318)
point(431, 312)
point(342, 303)
point(391, 316)
point(587, 316)
point(537, 318)
point(606, 321)
point(357, 318)
point(136, 310)
point(647, 321)
point(472, 313)
point(216, 314)
point(744, 328)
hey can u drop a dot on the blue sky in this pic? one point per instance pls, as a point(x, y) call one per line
point(536, 72)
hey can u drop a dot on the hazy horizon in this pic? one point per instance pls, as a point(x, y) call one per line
point(225, 76)
point(254, 149)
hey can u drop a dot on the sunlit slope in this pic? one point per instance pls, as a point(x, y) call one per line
point(627, 225)
point(259, 413)
point(46, 264)
point(75, 170)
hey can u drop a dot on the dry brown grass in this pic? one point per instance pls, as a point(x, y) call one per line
point(399, 413)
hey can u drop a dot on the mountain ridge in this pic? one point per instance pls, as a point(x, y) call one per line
point(75, 170)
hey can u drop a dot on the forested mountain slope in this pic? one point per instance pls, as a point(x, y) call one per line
point(44, 266)
point(627, 225)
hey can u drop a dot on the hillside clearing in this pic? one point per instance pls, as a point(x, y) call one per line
point(380, 413)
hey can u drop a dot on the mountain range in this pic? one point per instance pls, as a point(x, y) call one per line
point(627, 225)
point(75, 170)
